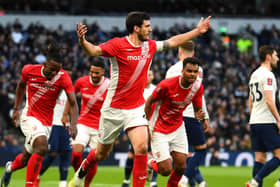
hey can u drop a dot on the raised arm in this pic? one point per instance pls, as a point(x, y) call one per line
point(179, 39)
point(20, 90)
point(89, 48)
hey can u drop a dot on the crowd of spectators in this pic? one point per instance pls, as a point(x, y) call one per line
point(190, 7)
point(226, 73)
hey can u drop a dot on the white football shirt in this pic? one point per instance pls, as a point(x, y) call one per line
point(261, 80)
point(59, 108)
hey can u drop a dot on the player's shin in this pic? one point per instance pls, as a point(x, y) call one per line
point(140, 170)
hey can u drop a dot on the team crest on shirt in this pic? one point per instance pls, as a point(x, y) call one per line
point(157, 154)
point(269, 81)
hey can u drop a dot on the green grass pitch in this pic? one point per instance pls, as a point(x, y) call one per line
point(113, 176)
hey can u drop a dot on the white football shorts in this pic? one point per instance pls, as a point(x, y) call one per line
point(113, 120)
point(32, 128)
point(163, 144)
point(86, 136)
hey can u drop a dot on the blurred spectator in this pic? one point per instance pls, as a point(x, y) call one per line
point(215, 161)
point(244, 44)
point(191, 7)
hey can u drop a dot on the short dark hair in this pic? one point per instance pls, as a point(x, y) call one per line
point(98, 62)
point(191, 60)
point(189, 45)
point(265, 50)
point(54, 52)
point(135, 18)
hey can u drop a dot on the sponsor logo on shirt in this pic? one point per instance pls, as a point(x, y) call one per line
point(43, 86)
point(140, 57)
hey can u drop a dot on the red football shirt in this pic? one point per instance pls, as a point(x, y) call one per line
point(129, 68)
point(42, 93)
point(172, 99)
point(93, 97)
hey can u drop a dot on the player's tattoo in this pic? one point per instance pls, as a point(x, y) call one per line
point(166, 45)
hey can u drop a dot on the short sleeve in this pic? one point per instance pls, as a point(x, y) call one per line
point(160, 91)
point(24, 73)
point(197, 99)
point(268, 82)
point(110, 48)
point(67, 83)
point(159, 45)
point(77, 86)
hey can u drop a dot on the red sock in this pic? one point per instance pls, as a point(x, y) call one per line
point(154, 165)
point(173, 179)
point(33, 168)
point(76, 160)
point(90, 174)
point(17, 164)
point(90, 161)
point(139, 171)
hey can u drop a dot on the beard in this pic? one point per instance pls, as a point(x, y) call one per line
point(141, 38)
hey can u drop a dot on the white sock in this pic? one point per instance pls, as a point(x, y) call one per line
point(126, 181)
point(62, 184)
point(9, 169)
point(153, 183)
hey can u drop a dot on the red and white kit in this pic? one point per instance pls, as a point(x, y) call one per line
point(168, 132)
point(124, 104)
point(41, 100)
point(93, 96)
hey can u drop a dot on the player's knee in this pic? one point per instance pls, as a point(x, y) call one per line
point(179, 166)
point(260, 157)
point(165, 170)
point(41, 150)
point(180, 170)
point(141, 148)
point(24, 159)
point(40, 145)
point(101, 155)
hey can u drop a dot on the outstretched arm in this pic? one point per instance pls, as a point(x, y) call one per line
point(180, 39)
point(89, 48)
